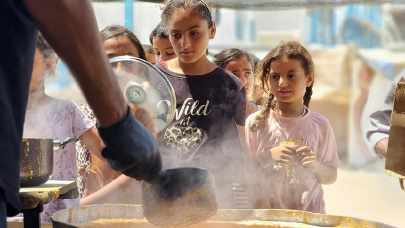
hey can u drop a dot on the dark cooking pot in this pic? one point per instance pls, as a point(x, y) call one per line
point(181, 196)
point(36, 162)
point(125, 215)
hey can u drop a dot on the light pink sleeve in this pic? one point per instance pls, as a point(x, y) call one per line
point(327, 154)
point(81, 123)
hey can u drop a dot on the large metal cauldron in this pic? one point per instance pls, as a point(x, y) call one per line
point(71, 217)
point(36, 161)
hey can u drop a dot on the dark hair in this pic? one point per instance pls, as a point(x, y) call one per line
point(48, 53)
point(284, 50)
point(45, 49)
point(115, 31)
point(148, 48)
point(225, 56)
point(190, 7)
point(256, 61)
point(160, 31)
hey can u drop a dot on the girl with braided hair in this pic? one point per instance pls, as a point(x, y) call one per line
point(291, 149)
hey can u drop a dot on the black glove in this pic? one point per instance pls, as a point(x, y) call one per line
point(131, 149)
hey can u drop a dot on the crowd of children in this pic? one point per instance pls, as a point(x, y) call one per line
point(245, 124)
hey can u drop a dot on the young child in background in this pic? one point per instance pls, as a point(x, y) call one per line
point(150, 53)
point(49, 117)
point(210, 109)
point(293, 150)
point(239, 63)
point(103, 184)
point(161, 44)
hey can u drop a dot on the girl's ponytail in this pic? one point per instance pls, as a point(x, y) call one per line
point(261, 118)
point(307, 95)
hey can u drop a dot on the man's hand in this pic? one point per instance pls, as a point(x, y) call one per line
point(381, 147)
point(131, 149)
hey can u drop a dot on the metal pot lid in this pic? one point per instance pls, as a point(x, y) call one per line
point(145, 88)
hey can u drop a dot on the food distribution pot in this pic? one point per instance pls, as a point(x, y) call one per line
point(180, 196)
point(125, 216)
point(36, 161)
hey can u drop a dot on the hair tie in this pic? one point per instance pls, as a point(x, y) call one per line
point(205, 4)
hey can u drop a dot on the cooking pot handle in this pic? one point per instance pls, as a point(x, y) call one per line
point(60, 144)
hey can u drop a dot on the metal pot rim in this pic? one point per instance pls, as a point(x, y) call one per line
point(65, 217)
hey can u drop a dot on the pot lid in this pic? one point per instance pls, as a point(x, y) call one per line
point(147, 91)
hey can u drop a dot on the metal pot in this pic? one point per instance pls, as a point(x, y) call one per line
point(36, 161)
point(78, 216)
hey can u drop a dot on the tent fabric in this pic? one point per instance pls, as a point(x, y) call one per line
point(279, 4)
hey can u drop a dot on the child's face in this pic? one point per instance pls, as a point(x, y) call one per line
point(189, 34)
point(38, 70)
point(163, 49)
point(150, 57)
point(242, 68)
point(118, 47)
point(288, 80)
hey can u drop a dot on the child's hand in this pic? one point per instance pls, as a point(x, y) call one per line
point(145, 118)
point(284, 153)
point(306, 157)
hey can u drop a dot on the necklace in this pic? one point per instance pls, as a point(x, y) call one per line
point(303, 113)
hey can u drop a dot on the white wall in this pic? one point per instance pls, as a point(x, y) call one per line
point(146, 17)
point(274, 26)
point(109, 13)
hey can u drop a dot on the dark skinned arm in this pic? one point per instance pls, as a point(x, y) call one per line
point(381, 147)
point(70, 28)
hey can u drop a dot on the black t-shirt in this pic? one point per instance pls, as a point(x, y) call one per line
point(204, 132)
point(17, 49)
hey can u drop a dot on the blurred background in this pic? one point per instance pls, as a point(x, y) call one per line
point(358, 47)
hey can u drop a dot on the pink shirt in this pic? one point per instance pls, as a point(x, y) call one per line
point(286, 186)
point(57, 120)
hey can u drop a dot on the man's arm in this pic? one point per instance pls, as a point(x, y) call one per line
point(381, 147)
point(378, 130)
point(71, 29)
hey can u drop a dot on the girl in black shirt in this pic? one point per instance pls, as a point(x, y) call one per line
point(210, 110)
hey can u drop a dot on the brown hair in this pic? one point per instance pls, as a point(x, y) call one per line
point(160, 31)
point(284, 50)
point(148, 48)
point(225, 56)
point(115, 31)
point(200, 7)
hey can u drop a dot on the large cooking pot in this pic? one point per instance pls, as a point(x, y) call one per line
point(128, 216)
point(36, 162)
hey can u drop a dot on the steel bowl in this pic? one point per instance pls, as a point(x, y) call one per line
point(85, 215)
